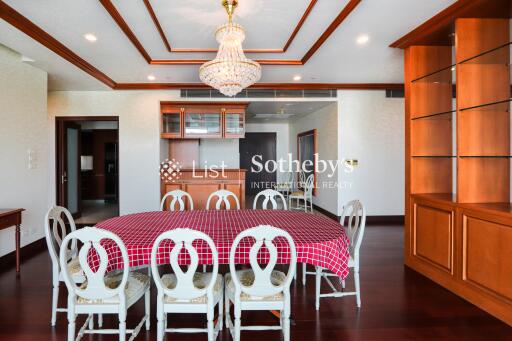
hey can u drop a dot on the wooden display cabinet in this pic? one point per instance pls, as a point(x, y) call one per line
point(458, 150)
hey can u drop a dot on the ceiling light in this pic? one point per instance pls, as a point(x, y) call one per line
point(90, 37)
point(231, 71)
point(297, 78)
point(362, 39)
point(151, 77)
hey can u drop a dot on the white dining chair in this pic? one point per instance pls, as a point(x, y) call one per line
point(222, 196)
point(285, 187)
point(269, 195)
point(102, 293)
point(55, 231)
point(177, 196)
point(306, 195)
point(355, 212)
point(190, 291)
point(257, 288)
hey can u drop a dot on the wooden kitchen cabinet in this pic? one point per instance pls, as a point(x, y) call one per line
point(196, 120)
point(200, 185)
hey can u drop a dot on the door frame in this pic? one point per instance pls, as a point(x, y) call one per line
point(60, 155)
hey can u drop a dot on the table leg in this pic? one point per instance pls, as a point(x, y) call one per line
point(17, 248)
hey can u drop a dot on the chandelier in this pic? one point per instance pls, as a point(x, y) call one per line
point(230, 72)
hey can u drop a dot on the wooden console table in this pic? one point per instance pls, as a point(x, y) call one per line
point(12, 217)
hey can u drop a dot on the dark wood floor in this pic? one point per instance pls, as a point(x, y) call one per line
point(398, 304)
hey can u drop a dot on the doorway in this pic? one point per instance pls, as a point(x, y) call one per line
point(263, 144)
point(87, 162)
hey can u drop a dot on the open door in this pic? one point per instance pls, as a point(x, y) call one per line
point(68, 166)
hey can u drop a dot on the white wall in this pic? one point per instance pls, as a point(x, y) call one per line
point(282, 130)
point(371, 129)
point(325, 121)
point(139, 138)
point(23, 127)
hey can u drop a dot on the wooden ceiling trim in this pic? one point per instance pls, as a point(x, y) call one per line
point(171, 49)
point(272, 86)
point(116, 16)
point(352, 4)
point(26, 26)
point(344, 13)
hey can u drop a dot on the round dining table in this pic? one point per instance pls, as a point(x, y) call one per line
point(319, 240)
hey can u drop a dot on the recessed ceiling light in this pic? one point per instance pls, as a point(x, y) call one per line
point(297, 78)
point(90, 37)
point(362, 39)
point(151, 77)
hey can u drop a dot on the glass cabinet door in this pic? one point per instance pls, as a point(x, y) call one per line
point(171, 124)
point(234, 125)
point(203, 124)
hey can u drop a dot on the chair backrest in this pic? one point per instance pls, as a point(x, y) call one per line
point(356, 214)
point(309, 184)
point(55, 231)
point(183, 239)
point(177, 197)
point(302, 179)
point(270, 195)
point(262, 285)
point(222, 196)
point(95, 287)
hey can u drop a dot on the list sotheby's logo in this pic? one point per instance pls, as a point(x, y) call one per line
point(170, 170)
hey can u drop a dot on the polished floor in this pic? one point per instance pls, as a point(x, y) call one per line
point(398, 304)
point(94, 211)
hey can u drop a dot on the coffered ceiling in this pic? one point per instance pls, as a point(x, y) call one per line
point(314, 39)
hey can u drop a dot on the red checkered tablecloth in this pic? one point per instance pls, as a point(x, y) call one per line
point(318, 240)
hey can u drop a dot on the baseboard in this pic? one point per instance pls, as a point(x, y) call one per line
point(385, 220)
point(370, 220)
point(326, 213)
point(8, 261)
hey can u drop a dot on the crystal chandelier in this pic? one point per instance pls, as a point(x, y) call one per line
point(230, 72)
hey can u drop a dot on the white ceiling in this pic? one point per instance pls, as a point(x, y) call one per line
point(191, 24)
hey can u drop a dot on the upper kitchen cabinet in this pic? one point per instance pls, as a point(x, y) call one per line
point(194, 120)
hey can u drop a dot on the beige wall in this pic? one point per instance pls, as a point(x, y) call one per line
point(23, 128)
point(325, 121)
point(139, 138)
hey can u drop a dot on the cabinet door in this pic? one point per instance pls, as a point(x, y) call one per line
point(203, 124)
point(172, 124)
point(200, 193)
point(234, 124)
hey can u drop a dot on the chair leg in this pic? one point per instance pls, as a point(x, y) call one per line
point(55, 301)
point(221, 314)
point(305, 205)
point(209, 317)
point(100, 320)
point(358, 288)
point(122, 326)
point(147, 302)
point(204, 267)
point(226, 309)
point(286, 328)
point(304, 269)
point(160, 316)
point(343, 284)
point(91, 322)
point(238, 323)
point(318, 277)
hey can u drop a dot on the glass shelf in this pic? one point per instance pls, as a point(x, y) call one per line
point(444, 75)
point(486, 156)
point(434, 115)
point(498, 55)
point(503, 105)
point(434, 156)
